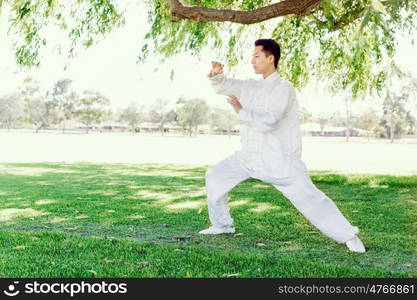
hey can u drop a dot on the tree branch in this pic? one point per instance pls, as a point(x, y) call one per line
point(203, 14)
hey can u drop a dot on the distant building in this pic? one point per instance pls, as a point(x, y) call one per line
point(314, 129)
point(203, 129)
point(154, 127)
point(73, 125)
point(114, 126)
point(233, 131)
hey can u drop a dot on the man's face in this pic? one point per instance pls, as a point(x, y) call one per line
point(261, 62)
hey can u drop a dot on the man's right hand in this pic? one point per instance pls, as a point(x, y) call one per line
point(216, 68)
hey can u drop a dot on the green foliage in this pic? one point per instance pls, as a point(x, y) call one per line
point(222, 120)
point(161, 113)
point(396, 117)
point(91, 108)
point(192, 113)
point(133, 115)
point(10, 109)
point(64, 98)
point(342, 42)
point(42, 112)
point(83, 21)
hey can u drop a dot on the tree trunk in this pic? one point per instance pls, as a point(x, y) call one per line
point(391, 129)
point(347, 118)
point(37, 129)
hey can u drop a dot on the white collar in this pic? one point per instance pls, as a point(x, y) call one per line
point(271, 77)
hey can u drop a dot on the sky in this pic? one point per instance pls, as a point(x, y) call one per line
point(111, 68)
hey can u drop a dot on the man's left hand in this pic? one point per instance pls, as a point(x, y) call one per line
point(234, 102)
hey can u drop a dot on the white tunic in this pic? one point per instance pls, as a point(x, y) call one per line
point(269, 124)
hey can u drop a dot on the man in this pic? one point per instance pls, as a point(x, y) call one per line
point(271, 149)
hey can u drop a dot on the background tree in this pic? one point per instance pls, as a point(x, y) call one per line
point(37, 111)
point(108, 115)
point(222, 120)
point(30, 88)
point(10, 109)
point(161, 114)
point(411, 123)
point(348, 120)
point(305, 116)
point(396, 102)
point(64, 99)
point(41, 112)
point(91, 108)
point(192, 113)
point(322, 119)
point(133, 115)
point(395, 114)
point(336, 119)
point(369, 121)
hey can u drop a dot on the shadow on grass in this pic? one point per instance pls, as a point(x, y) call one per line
point(166, 204)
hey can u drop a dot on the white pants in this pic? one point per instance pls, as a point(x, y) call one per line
point(319, 209)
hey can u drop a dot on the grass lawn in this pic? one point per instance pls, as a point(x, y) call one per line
point(118, 220)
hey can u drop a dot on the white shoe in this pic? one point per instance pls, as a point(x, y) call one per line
point(355, 245)
point(217, 230)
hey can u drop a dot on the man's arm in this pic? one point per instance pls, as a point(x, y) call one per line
point(221, 84)
point(226, 86)
point(265, 121)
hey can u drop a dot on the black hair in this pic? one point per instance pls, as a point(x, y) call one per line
point(269, 46)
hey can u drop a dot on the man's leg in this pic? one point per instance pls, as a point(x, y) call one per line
point(318, 208)
point(220, 179)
